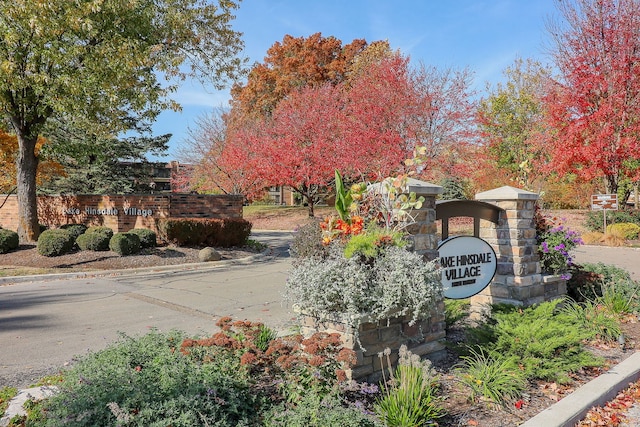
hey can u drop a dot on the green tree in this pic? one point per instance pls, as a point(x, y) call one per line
point(99, 165)
point(108, 64)
point(511, 116)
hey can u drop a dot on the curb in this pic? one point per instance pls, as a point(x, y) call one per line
point(573, 408)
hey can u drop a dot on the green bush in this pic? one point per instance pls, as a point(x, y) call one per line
point(546, 339)
point(314, 411)
point(147, 237)
point(125, 243)
point(55, 242)
point(147, 382)
point(594, 221)
point(593, 282)
point(8, 240)
point(497, 378)
point(96, 241)
point(200, 232)
point(100, 229)
point(624, 230)
point(75, 229)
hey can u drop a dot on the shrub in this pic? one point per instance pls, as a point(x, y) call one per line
point(307, 242)
point(546, 339)
point(55, 242)
point(125, 243)
point(456, 310)
point(204, 232)
point(599, 320)
point(146, 382)
point(592, 282)
point(100, 229)
point(147, 237)
point(555, 245)
point(8, 240)
point(624, 230)
point(594, 221)
point(314, 411)
point(95, 241)
point(75, 229)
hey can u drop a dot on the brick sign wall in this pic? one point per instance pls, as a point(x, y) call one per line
point(124, 212)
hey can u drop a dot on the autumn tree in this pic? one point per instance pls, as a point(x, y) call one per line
point(294, 63)
point(303, 146)
point(223, 160)
point(594, 109)
point(511, 118)
point(102, 63)
point(445, 123)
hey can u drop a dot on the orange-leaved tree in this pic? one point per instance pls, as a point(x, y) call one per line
point(292, 64)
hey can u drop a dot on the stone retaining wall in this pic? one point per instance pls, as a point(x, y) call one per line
point(424, 338)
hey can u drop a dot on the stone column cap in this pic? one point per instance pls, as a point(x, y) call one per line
point(416, 186)
point(507, 193)
point(423, 187)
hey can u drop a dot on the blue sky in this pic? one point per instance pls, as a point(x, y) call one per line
point(484, 35)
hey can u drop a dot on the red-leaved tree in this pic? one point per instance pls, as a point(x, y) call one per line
point(594, 111)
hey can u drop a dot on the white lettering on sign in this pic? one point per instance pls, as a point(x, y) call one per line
point(138, 212)
point(468, 266)
point(72, 211)
point(98, 211)
point(88, 210)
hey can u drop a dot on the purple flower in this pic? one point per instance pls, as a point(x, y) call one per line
point(545, 247)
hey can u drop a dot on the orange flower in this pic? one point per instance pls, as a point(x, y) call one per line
point(357, 224)
point(343, 226)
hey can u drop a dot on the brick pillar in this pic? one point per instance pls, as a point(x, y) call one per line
point(518, 278)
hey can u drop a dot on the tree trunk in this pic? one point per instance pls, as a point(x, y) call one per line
point(612, 184)
point(26, 166)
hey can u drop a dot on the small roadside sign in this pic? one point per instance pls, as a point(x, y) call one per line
point(601, 202)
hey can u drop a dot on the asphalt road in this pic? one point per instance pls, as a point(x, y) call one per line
point(623, 257)
point(44, 324)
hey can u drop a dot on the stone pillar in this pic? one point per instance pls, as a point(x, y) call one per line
point(424, 231)
point(518, 278)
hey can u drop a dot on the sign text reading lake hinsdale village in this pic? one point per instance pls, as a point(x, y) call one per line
point(468, 266)
point(129, 211)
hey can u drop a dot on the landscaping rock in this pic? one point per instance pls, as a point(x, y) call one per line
point(209, 254)
point(16, 405)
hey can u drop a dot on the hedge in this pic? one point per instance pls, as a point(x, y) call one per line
point(199, 232)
